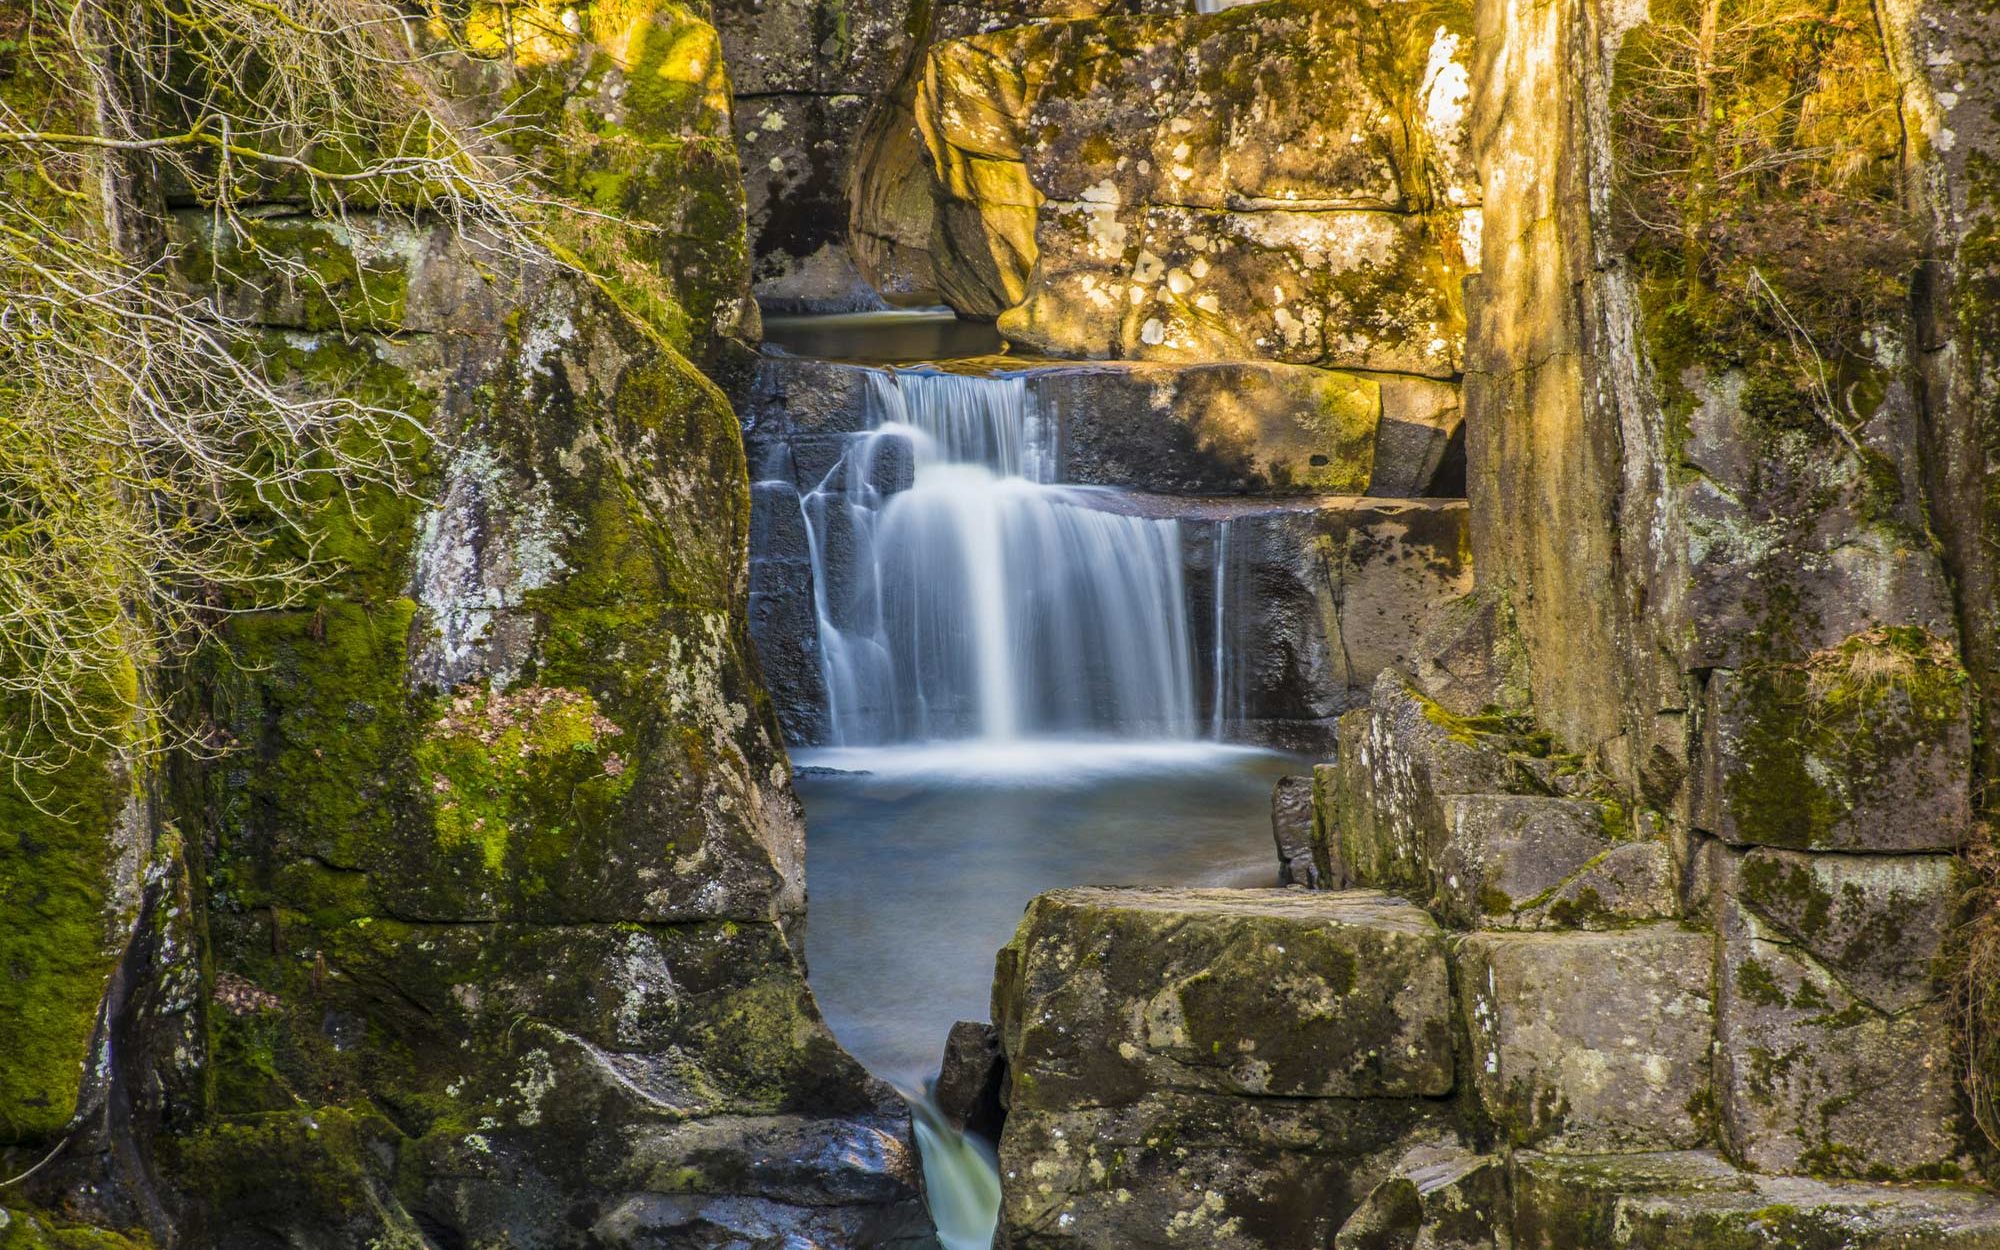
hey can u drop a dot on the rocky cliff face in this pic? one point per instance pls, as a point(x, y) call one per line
point(482, 927)
point(1692, 774)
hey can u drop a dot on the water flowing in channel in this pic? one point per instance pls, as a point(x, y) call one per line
point(960, 593)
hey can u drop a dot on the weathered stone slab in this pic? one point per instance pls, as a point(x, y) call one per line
point(1503, 853)
point(1811, 1076)
point(1201, 1169)
point(1696, 1201)
point(1877, 922)
point(1591, 1041)
point(1864, 746)
point(1632, 881)
point(1292, 830)
point(1327, 780)
point(1398, 761)
point(1106, 995)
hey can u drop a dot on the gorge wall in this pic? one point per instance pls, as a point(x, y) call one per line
point(480, 922)
point(1679, 799)
point(1641, 877)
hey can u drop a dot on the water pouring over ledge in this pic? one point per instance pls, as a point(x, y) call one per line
point(960, 593)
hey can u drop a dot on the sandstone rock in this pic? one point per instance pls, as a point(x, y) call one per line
point(1591, 1041)
point(1214, 429)
point(811, 77)
point(1292, 830)
point(1326, 779)
point(1469, 659)
point(971, 1078)
point(1105, 995)
point(1503, 854)
point(1090, 196)
point(1878, 923)
point(1632, 881)
point(1811, 1074)
point(1697, 1201)
point(1319, 597)
point(1399, 758)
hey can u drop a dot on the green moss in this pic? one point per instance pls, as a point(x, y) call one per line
point(23, 1228)
point(532, 764)
point(312, 1167)
point(1755, 982)
point(58, 833)
point(1816, 735)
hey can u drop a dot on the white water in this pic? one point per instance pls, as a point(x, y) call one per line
point(961, 1179)
point(961, 594)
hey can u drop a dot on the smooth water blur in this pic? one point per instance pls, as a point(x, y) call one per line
point(979, 600)
point(919, 871)
point(961, 1179)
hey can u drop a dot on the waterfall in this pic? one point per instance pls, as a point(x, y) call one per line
point(961, 593)
point(1219, 681)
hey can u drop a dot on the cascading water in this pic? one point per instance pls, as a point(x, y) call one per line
point(960, 593)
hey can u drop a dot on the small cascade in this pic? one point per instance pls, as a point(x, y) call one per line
point(961, 1178)
point(1219, 681)
point(960, 593)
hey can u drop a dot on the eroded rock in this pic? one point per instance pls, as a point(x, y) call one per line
point(1586, 1042)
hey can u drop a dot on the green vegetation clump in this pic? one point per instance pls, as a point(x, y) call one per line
point(1758, 148)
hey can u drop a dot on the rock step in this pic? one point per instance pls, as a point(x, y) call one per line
point(1214, 428)
point(1697, 1201)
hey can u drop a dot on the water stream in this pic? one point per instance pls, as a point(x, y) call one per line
point(1010, 707)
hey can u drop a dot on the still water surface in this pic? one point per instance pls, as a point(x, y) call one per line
point(920, 860)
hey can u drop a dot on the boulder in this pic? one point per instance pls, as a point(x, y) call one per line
point(1292, 830)
point(1438, 1197)
point(1697, 1201)
point(1863, 746)
point(1503, 854)
point(1399, 758)
point(1590, 1042)
point(1238, 1065)
point(970, 1079)
point(1318, 597)
point(1107, 994)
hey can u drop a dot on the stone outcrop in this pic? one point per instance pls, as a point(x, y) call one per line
point(1094, 195)
point(485, 930)
point(810, 79)
point(1689, 777)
